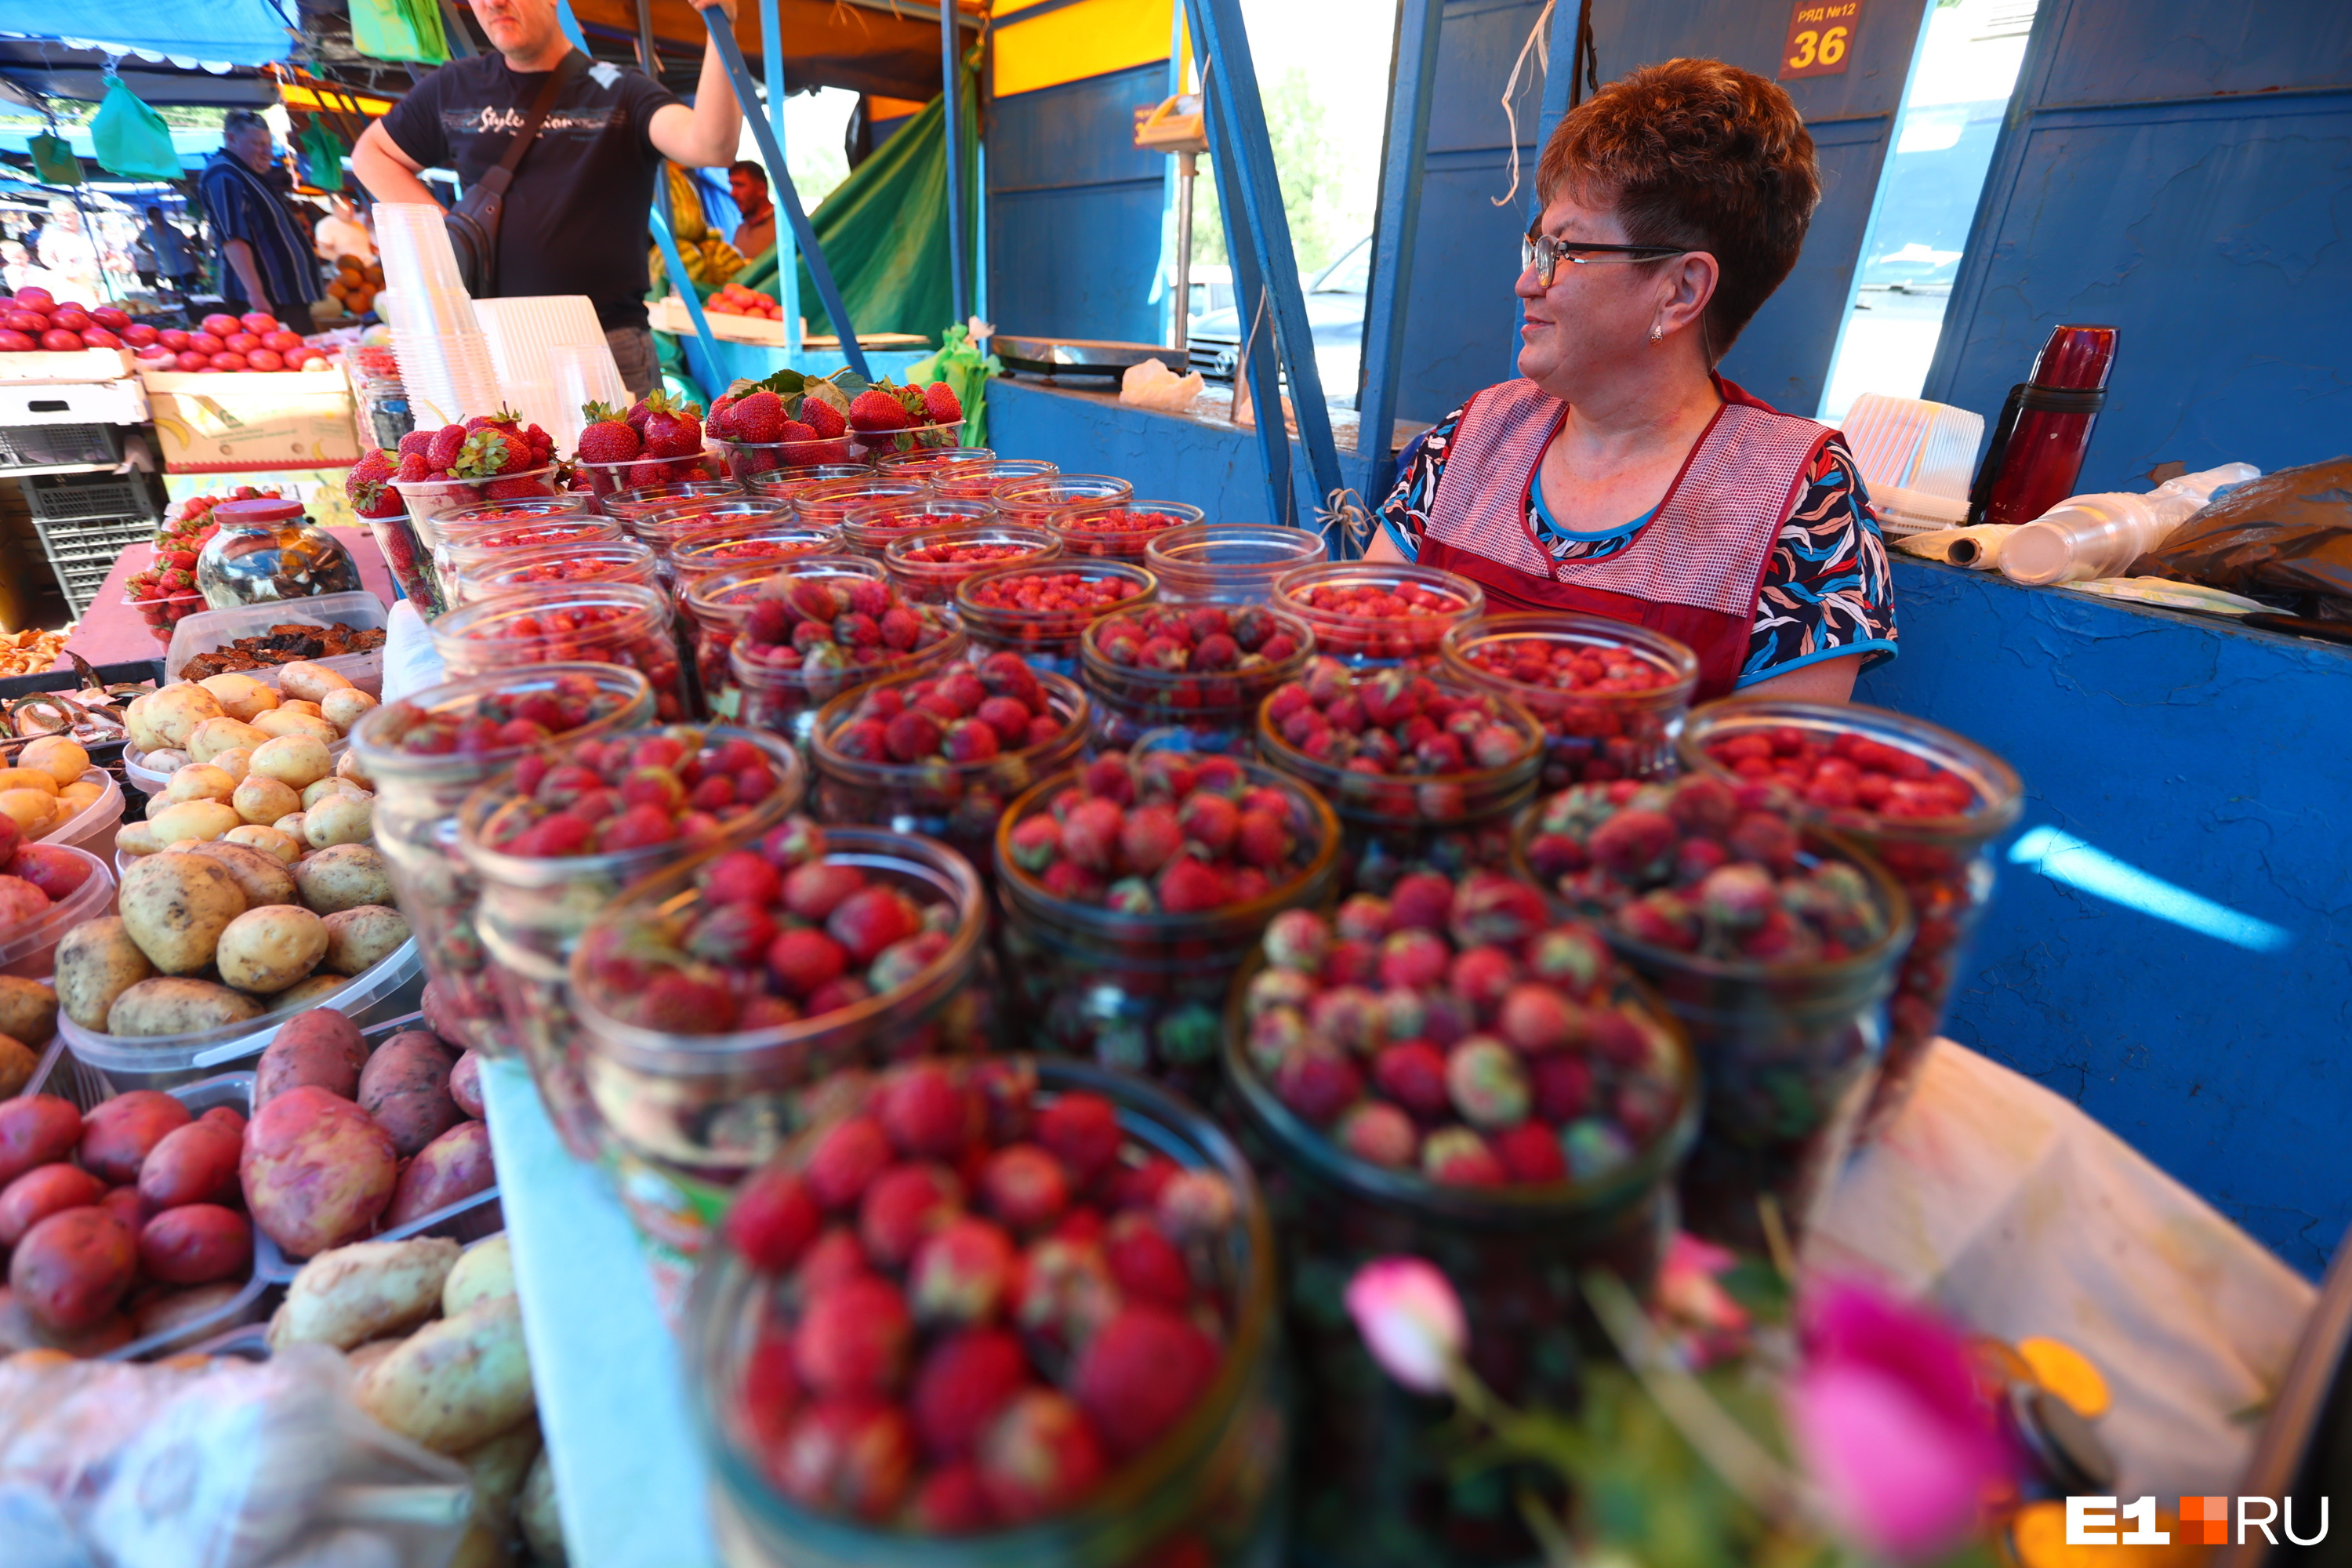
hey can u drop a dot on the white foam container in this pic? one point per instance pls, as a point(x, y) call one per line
point(213, 630)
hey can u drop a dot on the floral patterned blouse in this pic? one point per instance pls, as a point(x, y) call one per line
point(1826, 591)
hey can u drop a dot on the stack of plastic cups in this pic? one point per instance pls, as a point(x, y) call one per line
point(445, 357)
point(585, 373)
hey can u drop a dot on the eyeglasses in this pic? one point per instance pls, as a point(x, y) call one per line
point(1545, 254)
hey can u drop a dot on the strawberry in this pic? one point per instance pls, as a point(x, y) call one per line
point(366, 486)
point(963, 1384)
point(513, 488)
point(1141, 1374)
point(721, 420)
point(606, 437)
point(876, 412)
point(672, 429)
point(854, 1337)
point(413, 468)
point(417, 441)
point(489, 452)
point(639, 412)
point(441, 453)
point(821, 419)
point(939, 403)
point(961, 1272)
point(1038, 1458)
point(758, 418)
point(504, 419)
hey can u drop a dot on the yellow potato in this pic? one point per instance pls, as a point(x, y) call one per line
point(168, 1005)
point(29, 809)
point(137, 838)
point(176, 906)
point(240, 696)
point(199, 819)
point(265, 950)
point(348, 766)
point(28, 778)
point(454, 1384)
point(318, 790)
point(57, 755)
point(214, 736)
point(28, 1010)
point(296, 705)
point(290, 824)
point(80, 797)
point(235, 762)
point(483, 1270)
point(199, 781)
point(259, 876)
point(174, 711)
point(286, 721)
point(283, 847)
point(343, 877)
point(263, 799)
point(295, 761)
point(357, 939)
point(308, 681)
point(165, 760)
point(348, 1295)
point(305, 992)
point(97, 962)
point(339, 819)
point(139, 724)
point(345, 708)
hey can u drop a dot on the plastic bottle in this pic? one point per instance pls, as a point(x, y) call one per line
point(2088, 537)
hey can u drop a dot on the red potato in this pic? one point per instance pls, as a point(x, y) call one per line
point(225, 1115)
point(406, 1087)
point(193, 1164)
point(72, 1270)
point(195, 1245)
point(51, 868)
point(465, 1085)
point(42, 1192)
point(18, 1332)
point(125, 1205)
point(455, 1165)
point(117, 1135)
point(317, 1172)
point(155, 1311)
point(36, 1130)
point(320, 1049)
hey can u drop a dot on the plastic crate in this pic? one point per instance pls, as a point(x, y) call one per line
point(48, 446)
point(81, 553)
point(58, 497)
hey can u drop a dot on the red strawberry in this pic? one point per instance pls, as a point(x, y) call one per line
point(853, 1339)
point(512, 489)
point(413, 468)
point(505, 419)
point(1082, 1129)
point(901, 1206)
point(1038, 1457)
point(417, 441)
point(824, 420)
point(963, 1384)
point(758, 418)
point(845, 1159)
point(447, 441)
point(606, 437)
point(963, 1272)
point(927, 1113)
point(721, 419)
point(854, 1455)
point(876, 412)
point(672, 429)
point(939, 403)
point(1145, 1263)
point(1025, 1186)
point(952, 1502)
point(772, 1219)
point(365, 486)
point(1141, 1374)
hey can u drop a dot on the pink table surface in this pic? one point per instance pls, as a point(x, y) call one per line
point(112, 631)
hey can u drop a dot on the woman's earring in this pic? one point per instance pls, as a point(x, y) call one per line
point(1656, 332)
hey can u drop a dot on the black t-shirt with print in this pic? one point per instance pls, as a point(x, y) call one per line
point(575, 220)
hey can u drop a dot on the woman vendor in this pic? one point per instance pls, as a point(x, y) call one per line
point(1620, 476)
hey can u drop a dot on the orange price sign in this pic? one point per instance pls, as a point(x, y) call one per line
point(1821, 37)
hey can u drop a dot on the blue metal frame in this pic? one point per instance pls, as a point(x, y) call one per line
point(951, 102)
point(788, 270)
point(1413, 86)
point(1260, 365)
point(1244, 156)
point(730, 54)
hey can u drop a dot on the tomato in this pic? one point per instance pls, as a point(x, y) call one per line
point(175, 340)
point(206, 343)
point(221, 326)
point(100, 338)
point(283, 341)
point(70, 321)
point(35, 298)
point(15, 343)
point(138, 334)
point(225, 359)
point(28, 321)
point(264, 359)
point(57, 340)
point(109, 317)
point(194, 360)
point(256, 323)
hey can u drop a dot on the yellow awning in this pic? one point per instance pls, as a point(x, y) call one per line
point(1092, 38)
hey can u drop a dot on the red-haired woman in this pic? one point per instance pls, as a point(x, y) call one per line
point(1620, 476)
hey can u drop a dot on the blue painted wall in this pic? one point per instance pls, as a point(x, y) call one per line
point(1074, 213)
point(2182, 168)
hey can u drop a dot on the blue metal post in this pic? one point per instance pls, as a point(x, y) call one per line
point(788, 255)
point(789, 199)
point(702, 349)
point(1244, 156)
point(951, 103)
point(1260, 367)
point(1412, 83)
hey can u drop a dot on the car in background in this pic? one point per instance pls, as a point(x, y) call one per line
point(1335, 317)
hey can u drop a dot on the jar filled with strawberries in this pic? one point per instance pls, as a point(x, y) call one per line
point(1448, 1072)
point(1132, 888)
point(1039, 496)
point(1774, 943)
point(1121, 529)
point(979, 480)
point(1015, 1311)
point(1189, 677)
point(1042, 612)
point(1379, 613)
point(870, 528)
point(472, 547)
point(928, 564)
point(1924, 802)
point(553, 566)
point(597, 623)
point(820, 626)
point(836, 502)
point(1610, 695)
point(723, 549)
point(657, 441)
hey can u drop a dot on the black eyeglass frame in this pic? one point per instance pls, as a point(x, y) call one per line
point(1544, 254)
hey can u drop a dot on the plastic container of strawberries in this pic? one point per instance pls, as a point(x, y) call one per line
point(930, 563)
point(1597, 734)
point(1047, 636)
point(714, 606)
point(875, 446)
point(606, 479)
point(747, 462)
point(1185, 709)
point(597, 623)
point(1376, 613)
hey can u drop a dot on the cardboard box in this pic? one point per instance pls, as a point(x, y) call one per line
point(91, 364)
point(242, 421)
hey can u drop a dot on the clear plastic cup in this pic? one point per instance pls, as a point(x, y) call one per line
point(1123, 528)
point(606, 479)
point(1038, 500)
point(1082, 591)
point(665, 529)
point(929, 564)
point(1380, 612)
point(872, 447)
point(596, 622)
point(745, 461)
point(411, 543)
point(1597, 733)
point(715, 604)
point(1228, 562)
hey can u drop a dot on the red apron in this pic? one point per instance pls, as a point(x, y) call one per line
point(1693, 571)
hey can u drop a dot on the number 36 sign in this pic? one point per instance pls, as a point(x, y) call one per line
point(1821, 37)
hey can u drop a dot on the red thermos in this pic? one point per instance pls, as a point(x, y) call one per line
point(2037, 449)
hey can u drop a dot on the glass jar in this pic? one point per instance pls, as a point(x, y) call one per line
point(869, 529)
point(1181, 709)
point(1597, 731)
point(417, 799)
point(979, 481)
point(1396, 823)
point(935, 458)
point(783, 484)
point(529, 508)
point(597, 623)
point(1208, 1494)
point(1380, 612)
point(747, 462)
point(1943, 862)
point(691, 1114)
point(781, 688)
point(1037, 499)
point(432, 504)
point(1041, 612)
point(832, 503)
point(1373, 1486)
point(1122, 528)
point(603, 481)
point(956, 803)
point(930, 563)
point(1143, 993)
point(664, 527)
point(533, 910)
point(701, 556)
point(873, 446)
point(643, 501)
point(556, 565)
point(715, 605)
point(265, 551)
point(473, 548)
point(1228, 562)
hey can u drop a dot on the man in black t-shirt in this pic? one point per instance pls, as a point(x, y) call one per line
point(575, 219)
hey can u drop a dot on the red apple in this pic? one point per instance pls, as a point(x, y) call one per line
point(221, 326)
point(265, 359)
point(109, 317)
point(15, 343)
point(140, 335)
point(191, 360)
point(206, 343)
point(57, 340)
point(100, 338)
point(228, 360)
point(172, 338)
point(257, 322)
point(71, 321)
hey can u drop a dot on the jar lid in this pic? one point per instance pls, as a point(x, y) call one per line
point(265, 508)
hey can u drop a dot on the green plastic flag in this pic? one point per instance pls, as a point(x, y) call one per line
point(54, 159)
point(131, 139)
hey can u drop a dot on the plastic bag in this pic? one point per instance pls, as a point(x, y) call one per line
point(131, 139)
point(399, 30)
point(1152, 385)
point(226, 1464)
point(966, 370)
point(2284, 538)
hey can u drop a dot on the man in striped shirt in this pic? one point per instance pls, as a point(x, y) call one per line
point(267, 265)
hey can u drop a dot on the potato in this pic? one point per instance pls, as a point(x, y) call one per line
point(456, 1383)
point(164, 1310)
point(283, 847)
point(345, 708)
point(287, 723)
point(343, 877)
point(290, 824)
point(406, 1087)
point(235, 762)
point(226, 1116)
point(137, 838)
point(497, 1468)
point(269, 949)
point(307, 682)
point(202, 820)
point(198, 781)
point(28, 1011)
point(196, 1244)
point(339, 819)
point(318, 790)
point(349, 766)
point(482, 1271)
point(295, 761)
point(116, 1136)
point(23, 1335)
point(97, 962)
point(466, 1084)
point(191, 1164)
point(353, 1294)
point(139, 724)
point(33, 779)
point(166, 760)
point(176, 906)
point(261, 877)
point(542, 1528)
point(320, 1049)
point(167, 1006)
point(453, 1166)
point(261, 800)
point(36, 1130)
point(240, 696)
point(41, 1192)
point(58, 756)
point(316, 1171)
point(73, 1269)
point(18, 1062)
point(173, 711)
point(32, 810)
point(309, 993)
point(357, 939)
point(215, 736)
point(80, 796)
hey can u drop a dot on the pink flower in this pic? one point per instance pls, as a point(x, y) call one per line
point(1887, 1413)
point(1410, 1320)
point(1691, 1296)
